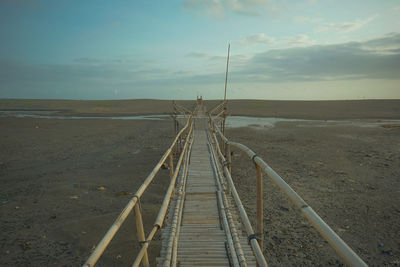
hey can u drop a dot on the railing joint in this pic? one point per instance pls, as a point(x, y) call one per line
point(254, 236)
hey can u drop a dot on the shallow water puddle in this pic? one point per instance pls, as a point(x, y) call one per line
point(231, 121)
point(256, 122)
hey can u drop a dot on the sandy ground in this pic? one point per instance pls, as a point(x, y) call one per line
point(52, 211)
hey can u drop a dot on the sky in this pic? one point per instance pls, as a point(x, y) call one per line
point(120, 49)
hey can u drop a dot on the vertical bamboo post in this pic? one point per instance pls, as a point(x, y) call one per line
point(171, 165)
point(228, 156)
point(140, 233)
point(260, 215)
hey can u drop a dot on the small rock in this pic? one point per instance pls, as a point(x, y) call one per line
point(119, 256)
point(164, 166)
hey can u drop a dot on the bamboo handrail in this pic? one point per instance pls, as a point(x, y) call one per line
point(178, 209)
point(167, 198)
point(185, 110)
point(216, 108)
point(102, 245)
point(224, 205)
point(341, 248)
point(245, 219)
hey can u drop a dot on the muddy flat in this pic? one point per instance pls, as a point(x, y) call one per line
point(64, 181)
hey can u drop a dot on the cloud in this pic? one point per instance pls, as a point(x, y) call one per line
point(259, 38)
point(344, 26)
point(198, 55)
point(298, 40)
point(373, 59)
point(220, 8)
point(327, 62)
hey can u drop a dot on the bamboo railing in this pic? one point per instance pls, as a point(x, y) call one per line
point(341, 248)
point(142, 257)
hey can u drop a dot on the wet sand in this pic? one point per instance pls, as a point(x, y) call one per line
point(53, 210)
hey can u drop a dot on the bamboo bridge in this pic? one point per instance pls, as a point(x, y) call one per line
point(202, 220)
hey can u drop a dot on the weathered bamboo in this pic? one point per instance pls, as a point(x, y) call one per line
point(341, 248)
point(140, 233)
point(228, 156)
point(227, 225)
point(219, 114)
point(161, 214)
point(180, 108)
point(94, 257)
point(175, 224)
point(245, 220)
point(164, 206)
point(234, 257)
point(171, 165)
point(260, 215)
point(216, 108)
point(145, 246)
point(175, 248)
point(232, 227)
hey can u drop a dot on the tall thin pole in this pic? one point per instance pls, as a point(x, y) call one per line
point(226, 76)
point(226, 84)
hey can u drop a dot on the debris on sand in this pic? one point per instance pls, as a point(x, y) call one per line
point(101, 188)
point(74, 197)
point(164, 166)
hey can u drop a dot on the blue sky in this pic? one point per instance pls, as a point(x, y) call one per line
point(310, 49)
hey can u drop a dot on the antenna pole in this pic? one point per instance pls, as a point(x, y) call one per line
point(226, 83)
point(226, 76)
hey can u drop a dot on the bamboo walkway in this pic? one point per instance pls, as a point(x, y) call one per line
point(202, 219)
point(203, 237)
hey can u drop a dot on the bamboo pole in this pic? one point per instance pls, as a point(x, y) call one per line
point(260, 215)
point(341, 248)
point(228, 156)
point(102, 245)
point(145, 246)
point(245, 219)
point(171, 165)
point(178, 229)
point(140, 233)
point(216, 108)
point(161, 214)
point(226, 76)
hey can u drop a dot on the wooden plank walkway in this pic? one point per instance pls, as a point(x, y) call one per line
point(202, 237)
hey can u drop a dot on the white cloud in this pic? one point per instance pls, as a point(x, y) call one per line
point(198, 55)
point(396, 8)
point(298, 40)
point(259, 38)
point(219, 8)
point(344, 26)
